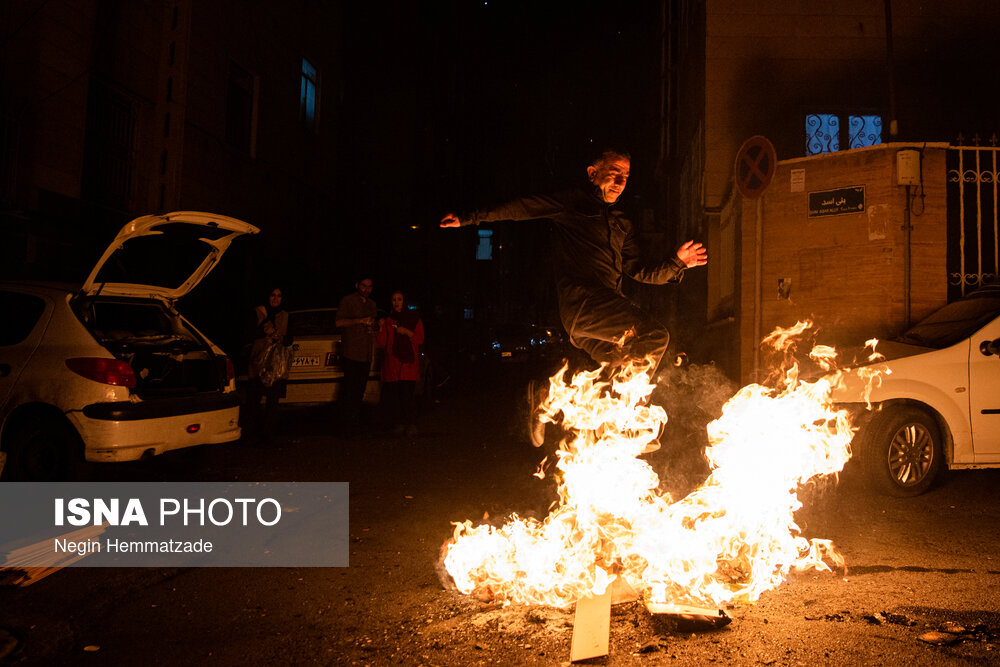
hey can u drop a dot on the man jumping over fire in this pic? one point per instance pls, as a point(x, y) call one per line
point(595, 247)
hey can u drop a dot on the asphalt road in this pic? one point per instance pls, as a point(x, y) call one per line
point(915, 567)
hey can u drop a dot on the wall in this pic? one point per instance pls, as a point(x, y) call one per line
point(845, 271)
point(768, 64)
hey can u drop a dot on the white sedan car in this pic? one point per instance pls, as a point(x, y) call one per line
point(937, 401)
point(110, 371)
point(316, 373)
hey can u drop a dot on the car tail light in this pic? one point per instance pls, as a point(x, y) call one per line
point(230, 370)
point(332, 359)
point(105, 371)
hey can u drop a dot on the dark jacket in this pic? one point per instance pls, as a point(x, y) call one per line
point(595, 245)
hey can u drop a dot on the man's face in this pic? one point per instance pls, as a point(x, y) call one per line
point(610, 175)
point(365, 288)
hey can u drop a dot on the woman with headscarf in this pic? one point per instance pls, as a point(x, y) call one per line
point(401, 335)
point(271, 329)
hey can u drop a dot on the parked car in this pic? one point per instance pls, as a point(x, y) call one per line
point(316, 372)
point(937, 401)
point(518, 342)
point(110, 371)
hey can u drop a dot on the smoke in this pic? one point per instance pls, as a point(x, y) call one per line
point(693, 396)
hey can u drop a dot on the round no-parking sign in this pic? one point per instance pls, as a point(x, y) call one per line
point(755, 165)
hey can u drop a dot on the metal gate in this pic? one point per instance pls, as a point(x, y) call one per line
point(973, 246)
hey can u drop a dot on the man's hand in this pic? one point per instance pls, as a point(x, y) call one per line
point(692, 254)
point(351, 321)
point(450, 220)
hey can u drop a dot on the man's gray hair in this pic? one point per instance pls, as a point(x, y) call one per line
point(606, 154)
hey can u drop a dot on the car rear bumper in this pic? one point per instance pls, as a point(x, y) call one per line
point(151, 432)
point(161, 408)
point(324, 390)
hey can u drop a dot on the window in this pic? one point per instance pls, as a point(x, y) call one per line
point(826, 133)
point(240, 106)
point(113, 320)
point(308, 95)
point(109, 147)
point(485, 248)
point(21, 313)
point(313, 323)
point(864, 131)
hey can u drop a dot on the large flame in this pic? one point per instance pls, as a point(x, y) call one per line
point(727, 542)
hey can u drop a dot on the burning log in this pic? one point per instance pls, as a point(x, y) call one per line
point(688, 618)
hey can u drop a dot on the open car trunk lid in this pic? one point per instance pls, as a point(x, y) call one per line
point(163, 256)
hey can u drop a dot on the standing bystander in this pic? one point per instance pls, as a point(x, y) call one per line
point(401, 334)
point(356, 319)
point(271, 329)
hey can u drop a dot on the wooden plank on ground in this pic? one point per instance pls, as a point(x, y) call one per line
point(591, 627)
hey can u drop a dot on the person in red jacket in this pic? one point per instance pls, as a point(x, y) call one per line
point(401, 335)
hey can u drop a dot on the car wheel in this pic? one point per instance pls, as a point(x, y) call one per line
point(42, 451)
point(902, 453)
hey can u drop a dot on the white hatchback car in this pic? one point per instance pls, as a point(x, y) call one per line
point(316, 373)
point(110, 371)
point(937, 402)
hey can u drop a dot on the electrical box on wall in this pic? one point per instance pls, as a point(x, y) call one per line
point(908, 167)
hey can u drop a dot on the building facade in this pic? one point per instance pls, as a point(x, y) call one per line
point(820, 81)
point(114, 109)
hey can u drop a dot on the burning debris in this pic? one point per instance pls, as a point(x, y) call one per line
point(687, 618)
point(939, 638)
point(725, 543)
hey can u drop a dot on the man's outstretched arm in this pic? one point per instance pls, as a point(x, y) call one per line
point(523, 208)
point(450, 220)
point(689, 255)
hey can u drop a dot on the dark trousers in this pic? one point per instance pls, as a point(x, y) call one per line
point(605, 317)
point(262, 421)
point(399, 402)
point(352, 388)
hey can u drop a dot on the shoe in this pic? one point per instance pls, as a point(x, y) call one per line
point(536, 431)
point(536, 427)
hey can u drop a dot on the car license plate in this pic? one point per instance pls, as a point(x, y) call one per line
point(298, 362)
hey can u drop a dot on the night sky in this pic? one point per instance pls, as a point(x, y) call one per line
point(457, 105)
point(452, 105)
point(486, 100)
point(449, 105)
